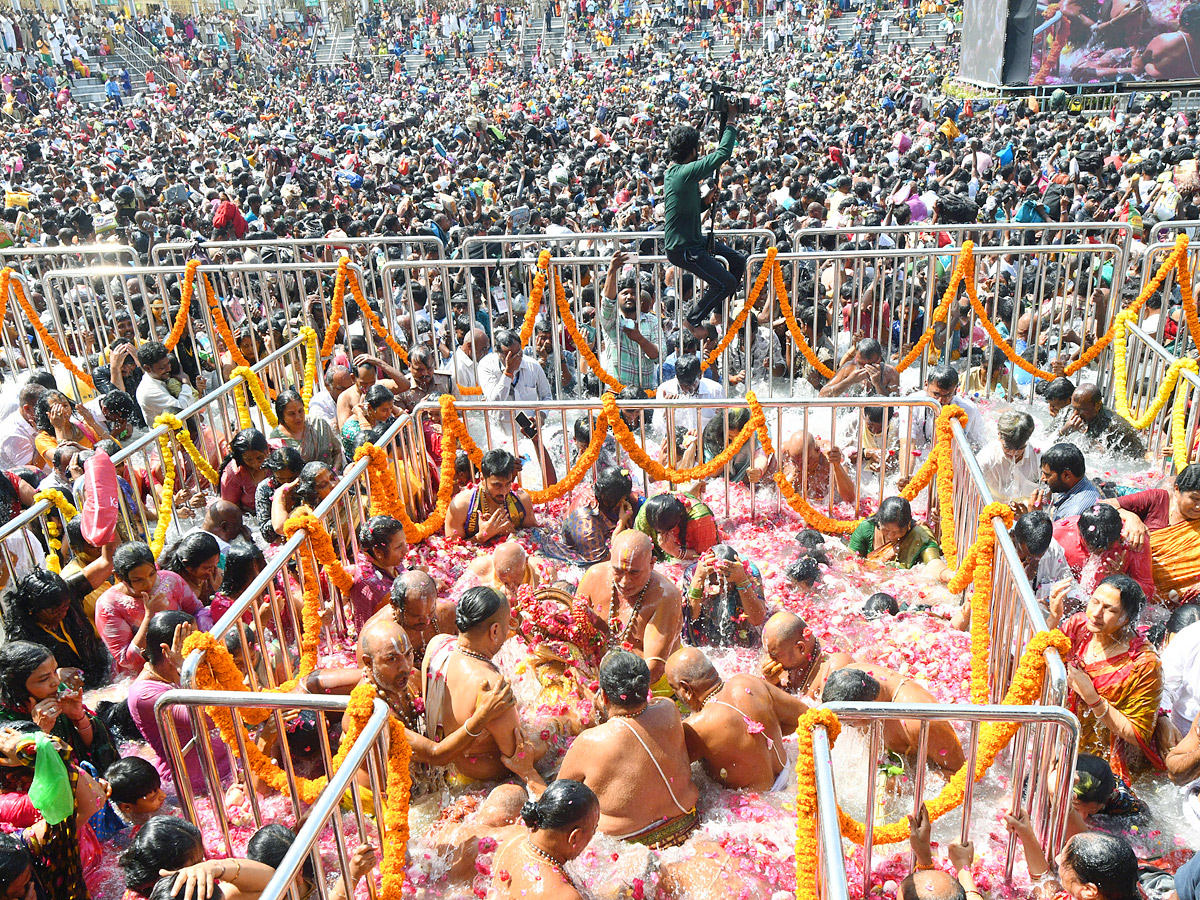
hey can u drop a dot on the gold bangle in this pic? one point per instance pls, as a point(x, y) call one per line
point(924, 867)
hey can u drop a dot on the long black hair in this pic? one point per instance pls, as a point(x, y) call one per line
point(19, 660)
point(165, 842)
point(242, 562)
point(245, 441)
point(283, 398)
point(666, 512)
point(42, 589)
point(562, 805)
point(377, 532)
point(189, 551)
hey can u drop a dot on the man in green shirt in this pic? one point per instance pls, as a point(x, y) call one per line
point(685, 241)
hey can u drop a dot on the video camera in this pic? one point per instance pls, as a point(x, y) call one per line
point(722, 98)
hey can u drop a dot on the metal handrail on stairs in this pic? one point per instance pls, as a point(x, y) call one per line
point(136, 47)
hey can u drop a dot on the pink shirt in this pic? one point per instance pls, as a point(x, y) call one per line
point(143, 693)
point(238, 486)
point(118, 617)
point(1118, 559)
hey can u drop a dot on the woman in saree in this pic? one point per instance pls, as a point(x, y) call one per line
point(893, 536)
point(680, 526)
point(1170, 521)
point(312, 436)
point(1114, 677)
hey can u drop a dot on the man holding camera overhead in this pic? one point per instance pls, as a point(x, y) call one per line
point(686, 246)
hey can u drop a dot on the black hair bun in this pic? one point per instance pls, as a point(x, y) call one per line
point(531, 815)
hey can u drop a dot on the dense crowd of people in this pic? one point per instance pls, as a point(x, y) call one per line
point(659, 633)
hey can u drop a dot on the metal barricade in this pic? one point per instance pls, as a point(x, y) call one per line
point(1016, 615)
point(264, 305)
point(369, 252)
point(601, 243)
point(890, 295)
point(206, 750)
point(990, 234)
point(1147, 361)
point(212, 422)
point(845, 420)
point(1039, 767)
point(1168, 327)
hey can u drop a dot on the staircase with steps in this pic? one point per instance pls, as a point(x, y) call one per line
point(344, 43)
point(129, 52)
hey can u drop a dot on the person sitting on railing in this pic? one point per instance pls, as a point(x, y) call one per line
point(60, 421)
point(927, 882)
point(284, 465)
point(1067, 491)
point(1090, 417)
point(1169, 522)
point(588, 530)
point(1113, 673)
point(558, 827)
point(123, 612)
point(457, 676)
point(311, 436)
point(382, 548)
point(493, 508)
point(737, 726)
point(679, 525)
point(34, 689)
point(1093, 546)
point(1012, 468)
point(893, 536)
point(807, 456)
point(864, 373)
point(378, 407)
point(870, 683)
point(242, 469)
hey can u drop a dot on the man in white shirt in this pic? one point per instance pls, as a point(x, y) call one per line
point(154, 393)
point(1012, 468)
point(474, 347)
point(18, 431)
point(688, 385)
point(1181, 676)
point(506, 375)
point(941, 385)
point(324, 402)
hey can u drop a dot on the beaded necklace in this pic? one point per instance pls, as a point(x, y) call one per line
point(616, 639)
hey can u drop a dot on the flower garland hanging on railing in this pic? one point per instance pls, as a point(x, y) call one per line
point(385, 496)
point(1026, 688)
point(218, 319)
point(219, 672)
point(338, 304)
point(167, 506)
point(310, 365)
point(68, 512)
point(9, 283)
point(255, 386)
point(735, 327)
point(185, 304)
point(535, 299)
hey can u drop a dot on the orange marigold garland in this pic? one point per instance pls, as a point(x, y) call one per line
point(368, 313)
point(965, 264)
point(789, 317)
point(737, 324)
point(385, 496)
point(222, 326)
point(452, 427)
point(579, 471)
point(535, 298)
point(185, 304)
point(581, 344)
point(1026, 687)
point(52, 346)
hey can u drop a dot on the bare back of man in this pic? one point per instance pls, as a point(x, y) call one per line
point(738, 732)
point(634, 765)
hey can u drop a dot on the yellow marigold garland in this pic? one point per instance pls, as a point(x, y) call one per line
point(1026, 687)
point(7, 283)
point(185, 304)
point(68, 512)
point(255, 386)
point(243, 407)
point(202, 465)
point(310, 365)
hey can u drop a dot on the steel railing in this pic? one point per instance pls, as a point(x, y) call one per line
point(1038, 766)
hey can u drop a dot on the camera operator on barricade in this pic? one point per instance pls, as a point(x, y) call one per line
point(685, 242)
